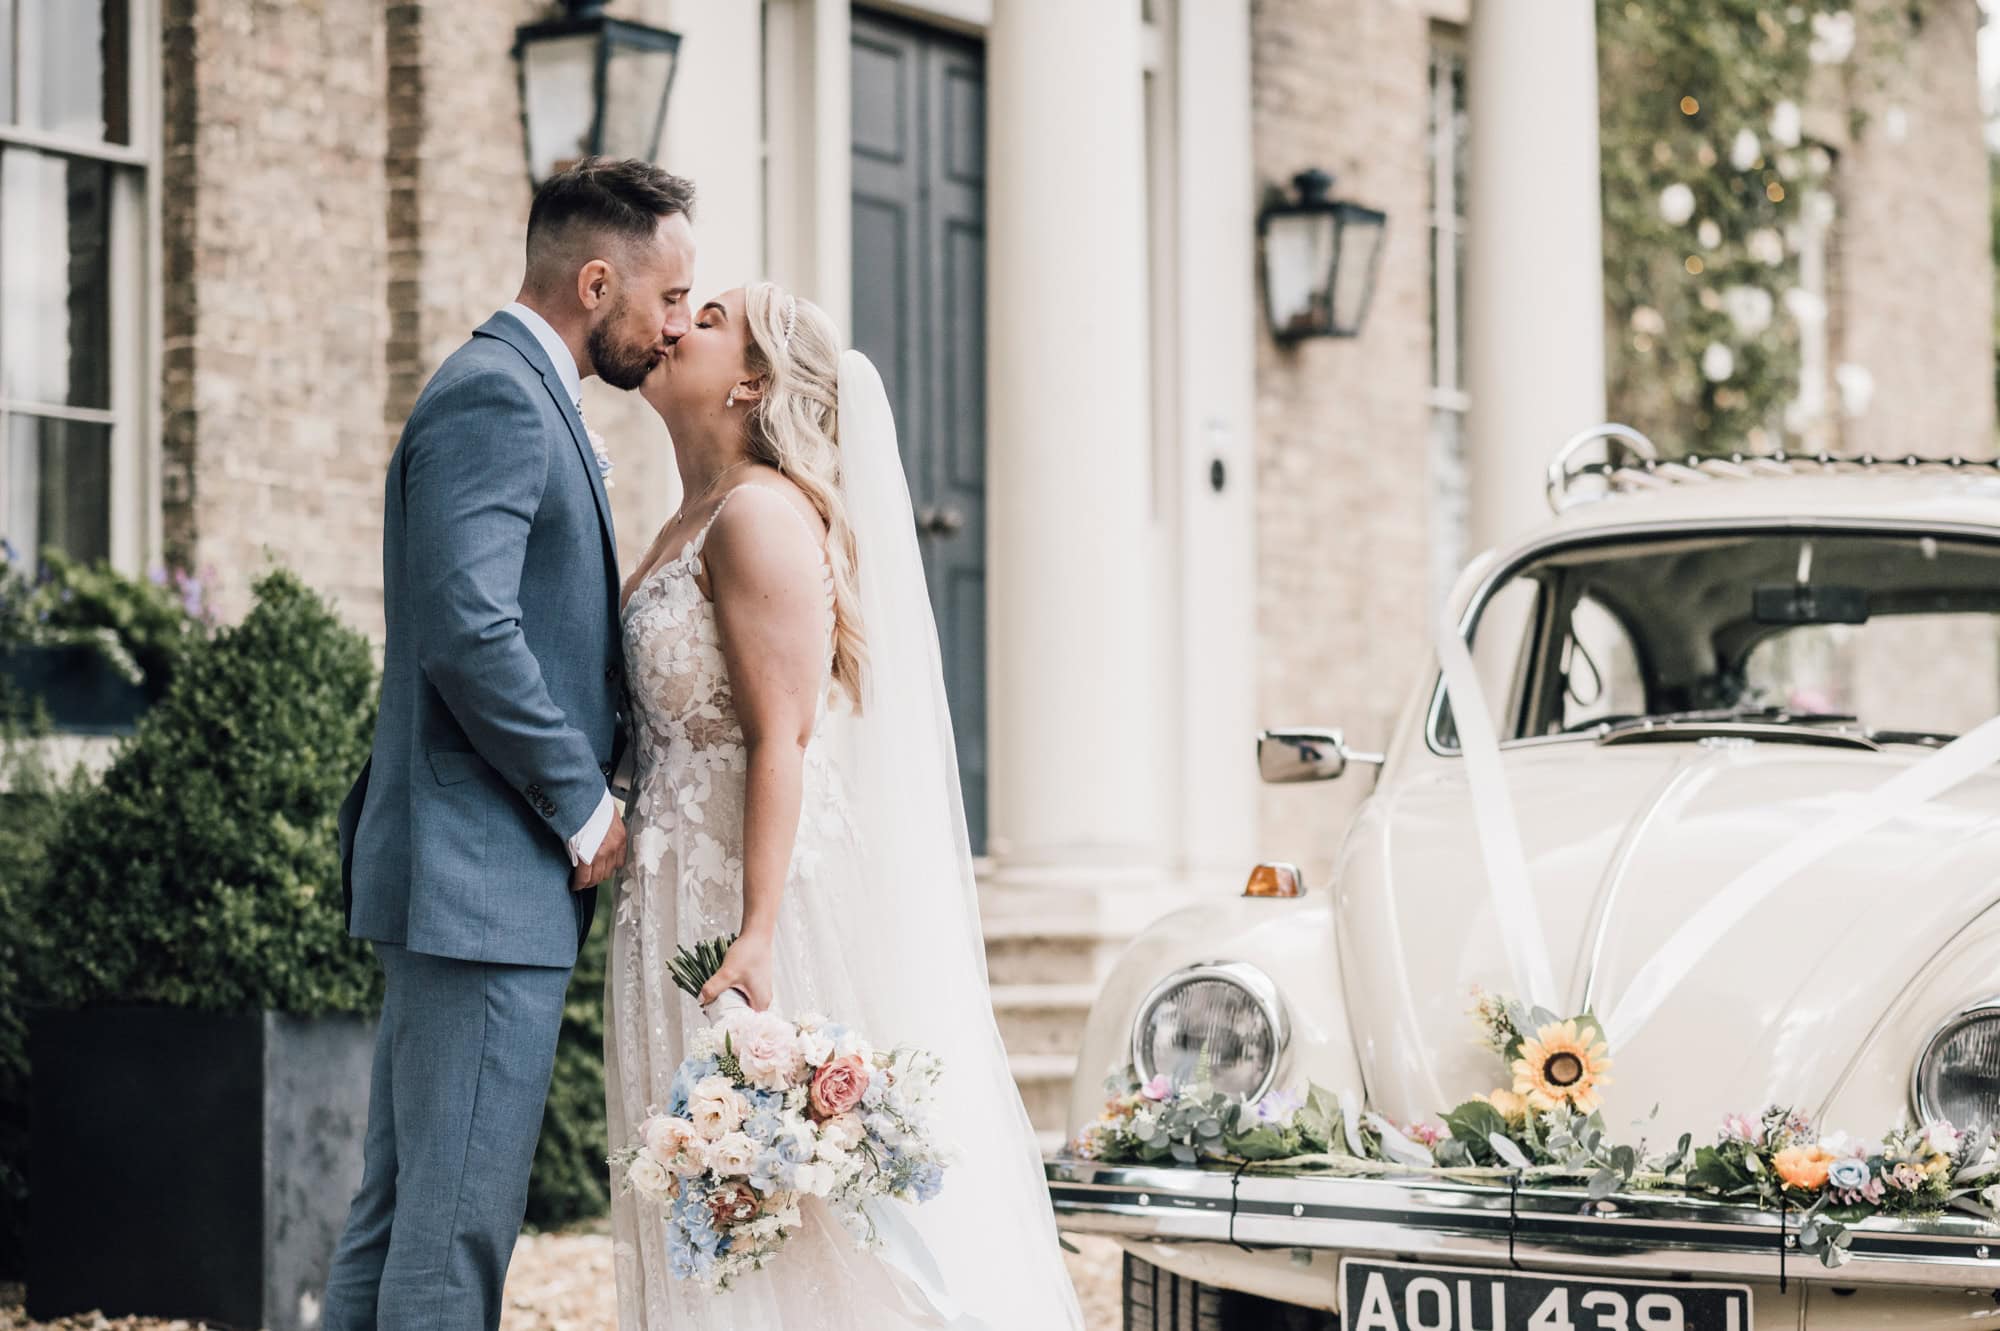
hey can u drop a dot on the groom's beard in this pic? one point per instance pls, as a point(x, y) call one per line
point(618, 364)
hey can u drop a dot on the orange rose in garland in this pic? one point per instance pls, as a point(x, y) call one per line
point(1563, 1064)
point(1803, 1167)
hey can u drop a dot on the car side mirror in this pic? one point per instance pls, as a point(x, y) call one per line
point(1285, 757)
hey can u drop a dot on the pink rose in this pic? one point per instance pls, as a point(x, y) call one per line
point(838, 1086)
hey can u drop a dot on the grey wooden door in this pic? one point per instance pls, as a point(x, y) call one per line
point(920, 314)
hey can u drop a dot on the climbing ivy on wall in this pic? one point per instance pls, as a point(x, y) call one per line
point(1712, 189)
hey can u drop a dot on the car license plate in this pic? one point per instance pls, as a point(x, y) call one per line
point(1399, 1296)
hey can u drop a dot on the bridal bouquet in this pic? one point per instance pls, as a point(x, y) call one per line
point(765, 1112)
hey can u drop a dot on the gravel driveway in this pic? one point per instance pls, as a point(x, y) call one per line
point(562, 1282)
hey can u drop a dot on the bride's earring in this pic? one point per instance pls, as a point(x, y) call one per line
point(731, 401)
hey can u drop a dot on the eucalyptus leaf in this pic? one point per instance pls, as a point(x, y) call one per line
point(1400, 1148)
point(1505, 1148)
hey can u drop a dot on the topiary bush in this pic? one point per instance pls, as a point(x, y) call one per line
point(203, 871)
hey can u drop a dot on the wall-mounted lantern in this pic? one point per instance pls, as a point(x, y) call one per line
point(592, 84)
point(1320, 257)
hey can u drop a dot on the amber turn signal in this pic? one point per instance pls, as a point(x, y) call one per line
point(1275, 880)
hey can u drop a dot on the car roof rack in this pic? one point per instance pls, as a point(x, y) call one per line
point(1632, 464)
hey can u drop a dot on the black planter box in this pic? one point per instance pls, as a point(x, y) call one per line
point(79, 689)
point(192, 1165)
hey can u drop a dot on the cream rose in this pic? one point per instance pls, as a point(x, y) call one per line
point(715, 1108)
point(667, 1137)
point(648, 1177)
point(734, 1154)
point(767, 1048)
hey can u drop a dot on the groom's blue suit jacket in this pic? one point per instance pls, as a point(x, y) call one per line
point(501, 681)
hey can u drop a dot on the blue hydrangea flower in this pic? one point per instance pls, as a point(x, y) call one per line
point(762, 1126)
point(769, 1173)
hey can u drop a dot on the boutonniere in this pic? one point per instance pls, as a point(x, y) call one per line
point(603, 456)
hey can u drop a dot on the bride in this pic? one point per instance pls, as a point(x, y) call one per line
point(795, 783)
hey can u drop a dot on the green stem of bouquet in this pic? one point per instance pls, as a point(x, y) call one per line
point(694, 967)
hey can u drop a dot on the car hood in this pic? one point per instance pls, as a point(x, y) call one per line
point(1623, 844)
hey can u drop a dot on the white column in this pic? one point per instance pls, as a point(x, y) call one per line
point(1535, 280)
point(1076, 758)
point(808, 119)
point(1212, 297)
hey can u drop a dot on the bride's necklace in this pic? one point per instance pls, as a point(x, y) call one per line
point(709, 489)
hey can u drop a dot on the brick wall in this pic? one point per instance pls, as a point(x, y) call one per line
point(1343, 504)
point(272, 210)
point(458, 222)
point(1913, 263)
point(345, 201)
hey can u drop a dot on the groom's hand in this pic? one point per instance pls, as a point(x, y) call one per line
point(610, 859)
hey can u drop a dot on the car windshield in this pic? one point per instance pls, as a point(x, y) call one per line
point(1889, 637)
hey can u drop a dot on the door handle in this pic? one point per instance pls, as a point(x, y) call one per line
point(941, 519)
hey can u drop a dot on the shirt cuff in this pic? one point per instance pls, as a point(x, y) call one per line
point(583, 846)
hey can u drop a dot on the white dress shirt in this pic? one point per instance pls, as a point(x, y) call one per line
point(585, 842)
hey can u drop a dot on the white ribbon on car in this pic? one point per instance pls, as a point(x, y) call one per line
point(1507, 870)
point(1965, 757)
point(1514, 907)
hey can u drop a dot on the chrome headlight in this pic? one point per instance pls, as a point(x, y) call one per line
point(1958, 1073)
point(1223, 1021)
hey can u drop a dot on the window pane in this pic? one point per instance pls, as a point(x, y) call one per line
point(1600, 668)
point(1459, 146)
point(1437, 338)
point(59, 486)
point(55, 216)
point(635, 89)
point(71, 72)
point(1458, 321)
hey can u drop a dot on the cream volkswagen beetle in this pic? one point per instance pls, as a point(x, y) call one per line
point(1693, 663)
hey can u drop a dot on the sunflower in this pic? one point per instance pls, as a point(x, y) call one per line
point(1562, 1065)
point(1511, 1107)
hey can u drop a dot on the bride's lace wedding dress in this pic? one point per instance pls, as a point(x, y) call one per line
point(684, 883)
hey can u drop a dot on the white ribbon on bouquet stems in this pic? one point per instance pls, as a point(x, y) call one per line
point(1506, 863)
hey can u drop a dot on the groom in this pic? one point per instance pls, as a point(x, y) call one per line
point(473, 843)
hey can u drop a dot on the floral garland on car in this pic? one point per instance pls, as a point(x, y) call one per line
point(1547, 1127)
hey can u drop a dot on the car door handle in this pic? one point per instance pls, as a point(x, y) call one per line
point(941, 519)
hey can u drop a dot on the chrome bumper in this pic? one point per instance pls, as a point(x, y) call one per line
point(1542, 1227)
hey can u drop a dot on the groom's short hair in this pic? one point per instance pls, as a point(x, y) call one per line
point(600, 199)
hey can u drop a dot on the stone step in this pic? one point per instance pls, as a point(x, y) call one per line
point(1043, 1018)
point(1044, 1080)
point(1050, 949)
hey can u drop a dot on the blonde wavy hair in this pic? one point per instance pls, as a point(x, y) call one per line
point(795, 427)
